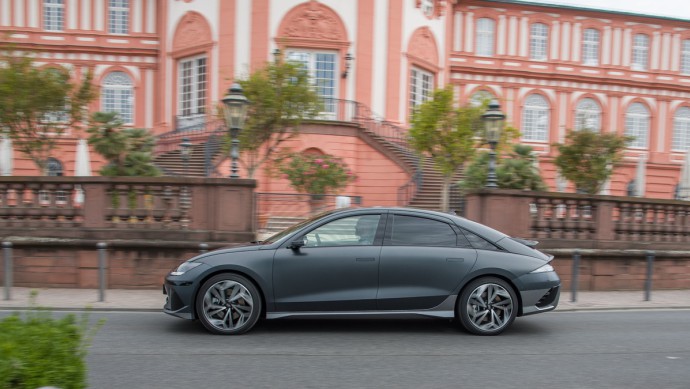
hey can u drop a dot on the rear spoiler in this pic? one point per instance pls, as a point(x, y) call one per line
point(527, 242)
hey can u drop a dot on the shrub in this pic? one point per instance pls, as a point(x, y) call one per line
point(315, 174)
point(38, 350)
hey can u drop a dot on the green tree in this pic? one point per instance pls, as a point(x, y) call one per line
point(517, 171)
point(280, 99)
point(37, 105)
point(315, 174)
point(446, 134)
point(127, 150)
point(588, 158)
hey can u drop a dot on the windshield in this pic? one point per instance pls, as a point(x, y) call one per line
point(294, 228)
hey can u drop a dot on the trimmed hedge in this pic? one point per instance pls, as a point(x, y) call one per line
point(38, 350)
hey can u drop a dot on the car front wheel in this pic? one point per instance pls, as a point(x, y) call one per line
point(228, 304)
point(487, 306)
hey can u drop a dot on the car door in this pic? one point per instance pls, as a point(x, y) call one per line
point(422, 261)
point(335, 270)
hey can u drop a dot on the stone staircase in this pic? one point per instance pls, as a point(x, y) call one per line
point(172, 164)
point(426, 196)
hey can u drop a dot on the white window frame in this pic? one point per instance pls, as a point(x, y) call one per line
point(681, 129)
point(118, 96)
point(422, 84)
point(588, 115)
point(54, 15)
point(685, 57)
point(318, 68)
point(118, 17)
point(590, 47)
point(539, 41)
point(192, 73)
point(640, 52)
point(536, 118)
point(484, 39)
point(637, 121)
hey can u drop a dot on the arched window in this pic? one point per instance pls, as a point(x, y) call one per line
point(681, 129)
point(590, 47)
point(538, 41)
point(640, 54)
point(535, 118)
point(53, 167)
point(118, 96)
point(480, 97)
point(588, 115)
point(485, 37)
point(421, 87)
point(637, 124)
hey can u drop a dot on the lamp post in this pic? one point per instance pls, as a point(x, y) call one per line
point(235, 104)
point(185, 150)
point(493, 125)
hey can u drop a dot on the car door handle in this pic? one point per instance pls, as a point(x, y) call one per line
point(455, 259)
point(365, 259)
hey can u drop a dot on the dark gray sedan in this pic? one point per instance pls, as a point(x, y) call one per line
point(368, 261)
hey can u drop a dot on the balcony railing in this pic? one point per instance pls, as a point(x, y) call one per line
point(135, 207)
point(580, 221)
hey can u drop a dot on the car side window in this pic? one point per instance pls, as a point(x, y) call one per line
point(418, 231)
point(478, 242)
point(350, 231)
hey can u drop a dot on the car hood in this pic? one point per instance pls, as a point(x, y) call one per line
point(232, 248)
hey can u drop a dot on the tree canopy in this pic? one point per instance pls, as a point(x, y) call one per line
point(127, 150)
point(281, 97)
point(516, 171)
point(588, 158)
point(446, 134)
point(37, 105)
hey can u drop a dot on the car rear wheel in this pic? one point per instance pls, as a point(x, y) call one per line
point(228, 304)
point(487, 306)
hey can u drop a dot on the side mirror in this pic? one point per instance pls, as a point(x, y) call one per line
point(296, 244)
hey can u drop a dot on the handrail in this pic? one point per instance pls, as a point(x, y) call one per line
point(199, 129)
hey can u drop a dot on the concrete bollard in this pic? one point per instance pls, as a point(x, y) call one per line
point(7, 251)
point(650, 274)
point(576, 273)
point(102, 258)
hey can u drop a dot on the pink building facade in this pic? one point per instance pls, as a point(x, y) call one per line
point(164, 65)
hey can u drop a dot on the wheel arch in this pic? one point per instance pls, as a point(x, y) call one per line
point(195, 314)
point(495, 275)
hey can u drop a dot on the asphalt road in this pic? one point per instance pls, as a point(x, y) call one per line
point(612, 349)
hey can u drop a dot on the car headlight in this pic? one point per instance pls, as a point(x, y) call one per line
point(543, 269)
point(184, 267)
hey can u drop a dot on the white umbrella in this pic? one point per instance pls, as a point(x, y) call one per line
point(684, 182)
point(6, 156)
point(82, 168)
point(640, 176)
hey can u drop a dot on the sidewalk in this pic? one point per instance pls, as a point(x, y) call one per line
point(153, 299)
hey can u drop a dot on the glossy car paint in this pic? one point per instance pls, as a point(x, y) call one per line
point(380, 279)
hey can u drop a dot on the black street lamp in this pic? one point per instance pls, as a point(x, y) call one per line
point(185, 151)
point(235, 107)
point(493, 125)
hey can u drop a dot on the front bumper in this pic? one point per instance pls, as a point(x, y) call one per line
point(541, 292)
point(180, 298)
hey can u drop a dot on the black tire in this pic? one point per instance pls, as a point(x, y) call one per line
point(482, 315)
point(228, 304)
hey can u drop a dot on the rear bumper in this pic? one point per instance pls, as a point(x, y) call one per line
point(543, 293)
